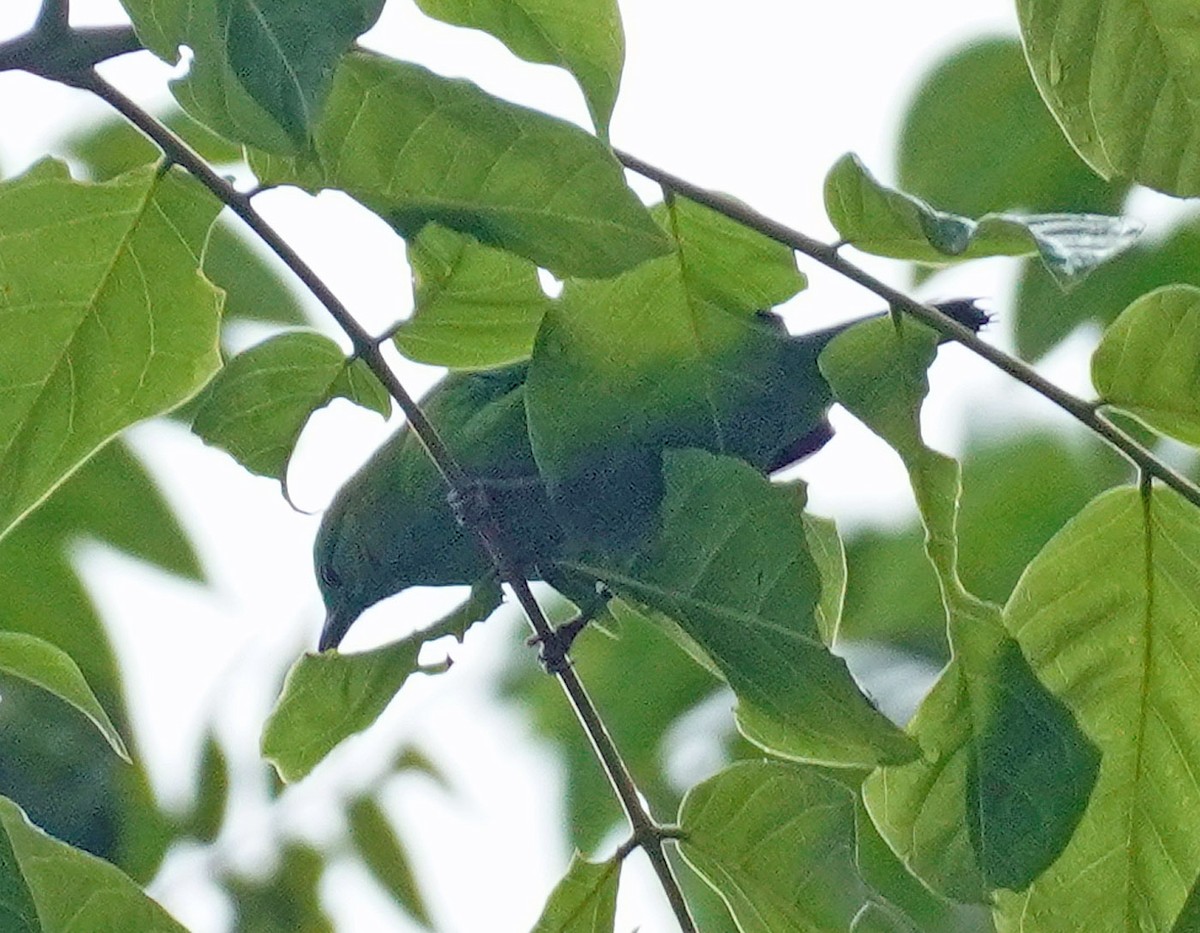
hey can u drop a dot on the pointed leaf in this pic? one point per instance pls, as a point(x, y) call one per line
point(328, 697)
point(731, 567)
point(261, 68)
point(777, 842)
point(519, 180)
point(259, 403)
point(1149, 361)
point(1121, 80)
point(584, 901)
point(106, 319)
point(887, 222)
point(52, 669)
point(50, 887)
point(582, 36)
point(382, 852)
point(212, 791)
point(474, 307)
point(1106, 615)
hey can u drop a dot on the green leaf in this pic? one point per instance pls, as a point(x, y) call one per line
point(1148, 363)
point(328, 697)
point(474, 307)
point(876, 918)
point(585, 38)
point(977, 138)
point(825, 547)
point(382, 852)
point(212, 791)
point(52, 669)
point(114, 146)
point(106, 318)
point(255, 289)
point(262, 68)
point(285, 902)
point(1005, 772)
point(584, 901)
point(1106, 615)
point(50, 887)
point(697, 368)
point(259, 403)
point(887, 222)
point(1121, 80)
point(777, 842)
point(520, 180)
point(731, 567)
point(1188, 920)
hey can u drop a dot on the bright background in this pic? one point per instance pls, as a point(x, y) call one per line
point(757, 99)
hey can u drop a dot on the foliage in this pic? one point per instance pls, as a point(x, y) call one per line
point(618, 441)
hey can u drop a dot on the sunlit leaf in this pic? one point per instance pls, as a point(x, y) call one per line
point(777, 842)
point(1121, 80)
point(50, 887)
point(474, 307)
point(259, 403)
point(1106, 615)
point(519, 180)
point(1148, 363)
point(887, 222)
point(106, 318)
point(584, 901)
point(582, 36)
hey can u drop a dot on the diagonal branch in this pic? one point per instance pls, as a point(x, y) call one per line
point(366, 347)
point(828, 255)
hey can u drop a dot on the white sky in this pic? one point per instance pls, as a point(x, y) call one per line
point(757, 99)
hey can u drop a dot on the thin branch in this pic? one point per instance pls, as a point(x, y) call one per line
point(1087, 413)
point(66, 57)
point(367, 348)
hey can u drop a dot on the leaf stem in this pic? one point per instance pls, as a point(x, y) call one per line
point(1087, 413)
point(368, 349)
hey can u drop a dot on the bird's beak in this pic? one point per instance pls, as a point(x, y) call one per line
point(334, 630)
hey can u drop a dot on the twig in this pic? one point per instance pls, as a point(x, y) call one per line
point(368, 349)
point(826, 254)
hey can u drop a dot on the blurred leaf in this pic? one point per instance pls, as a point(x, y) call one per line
point(1106, 614)
point(87, 349)
point(520, 180)
point(1046, 314)
point(328, 697)
point(1149, 362)
point(413, 759)
point(260, 401)
point(286, 902)
point(887, 222)
point(474, 307)
point(751, 608)
point(584, 901)
point(260, 72)
point(49, 667)
point(114, 146)
point(825, 548)
point(53, 888)
point(255, 289)
point(1120, 80)
point(977, 138)
point(585, 38)
point(382, 852)
point(212, 792)
point(777, 841)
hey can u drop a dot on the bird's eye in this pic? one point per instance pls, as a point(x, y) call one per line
point(329, 578)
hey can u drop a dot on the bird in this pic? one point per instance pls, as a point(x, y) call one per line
point(392, 526)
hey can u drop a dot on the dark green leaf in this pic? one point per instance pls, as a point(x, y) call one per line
point(262, 68)
point(584, 901)
point(777, 841)
point(582, 36)
point(382, 852)
point(52, 669)
point(92, 341)
point(1120, 80)
point(259, 403)
point(69, 889)
point(519, 180)
point(474, 307)
point(1148, 363)
point(887, 222)
point(212, 791)
point(286, 902)
point(731, 567)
